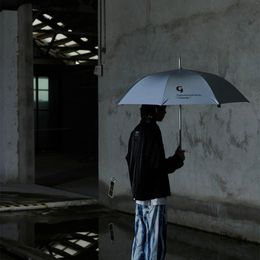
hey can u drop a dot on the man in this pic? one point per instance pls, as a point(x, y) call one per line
point(148, 170)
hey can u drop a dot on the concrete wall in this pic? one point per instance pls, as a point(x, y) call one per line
point(218, 188)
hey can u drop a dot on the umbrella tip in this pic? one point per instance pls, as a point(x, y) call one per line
point(180, 67)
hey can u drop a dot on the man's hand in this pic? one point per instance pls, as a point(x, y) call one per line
point(180, 153)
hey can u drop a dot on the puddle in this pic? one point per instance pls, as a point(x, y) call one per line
point(93, 232)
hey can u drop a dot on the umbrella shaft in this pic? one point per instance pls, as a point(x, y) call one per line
point(180, 126)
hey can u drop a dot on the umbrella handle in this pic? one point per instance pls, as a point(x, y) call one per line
point(180, 126)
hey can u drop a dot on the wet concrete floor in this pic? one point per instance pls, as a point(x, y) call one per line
point(94, 232)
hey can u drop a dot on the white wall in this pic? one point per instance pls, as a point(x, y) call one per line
point(218, 188)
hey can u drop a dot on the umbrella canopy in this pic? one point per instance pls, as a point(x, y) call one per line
point(182, 87)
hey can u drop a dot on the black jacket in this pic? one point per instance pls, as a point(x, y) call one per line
point(148, 167)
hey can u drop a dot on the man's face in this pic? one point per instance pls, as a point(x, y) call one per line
point(160, 113)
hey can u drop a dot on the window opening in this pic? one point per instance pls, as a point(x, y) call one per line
point(41, 107)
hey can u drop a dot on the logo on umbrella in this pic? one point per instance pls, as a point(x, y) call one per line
point(179, 88)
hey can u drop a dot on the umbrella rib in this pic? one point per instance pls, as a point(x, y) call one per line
point(215, 101)
point(163, 102)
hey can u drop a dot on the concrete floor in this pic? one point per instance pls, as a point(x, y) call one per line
point(105, 234)
point(70, 172)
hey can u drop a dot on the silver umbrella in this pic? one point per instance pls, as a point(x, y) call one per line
point(182, 87)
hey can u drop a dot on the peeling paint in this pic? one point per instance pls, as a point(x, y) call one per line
point(207, 144)
point(221, 182)
point(241, 144)
point(212, 149)
point(219, 120)
point(193, 139)
point(202, 119)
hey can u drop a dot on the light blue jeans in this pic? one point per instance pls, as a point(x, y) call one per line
point(150, 232)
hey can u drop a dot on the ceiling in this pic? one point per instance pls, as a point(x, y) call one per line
point(65, 32)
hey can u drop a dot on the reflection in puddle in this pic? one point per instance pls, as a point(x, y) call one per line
point(96, 233)
point(73, 244)
point(69, 239)
point(70, 233)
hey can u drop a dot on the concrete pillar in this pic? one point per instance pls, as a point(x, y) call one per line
point(16, 96)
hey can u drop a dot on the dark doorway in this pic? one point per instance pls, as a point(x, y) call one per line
point(66, 95)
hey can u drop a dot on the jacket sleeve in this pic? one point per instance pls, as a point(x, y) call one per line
point(157, 158)
point(172, 163)
point(134, 156)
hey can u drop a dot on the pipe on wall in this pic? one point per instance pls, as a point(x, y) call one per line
point(101, 36)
